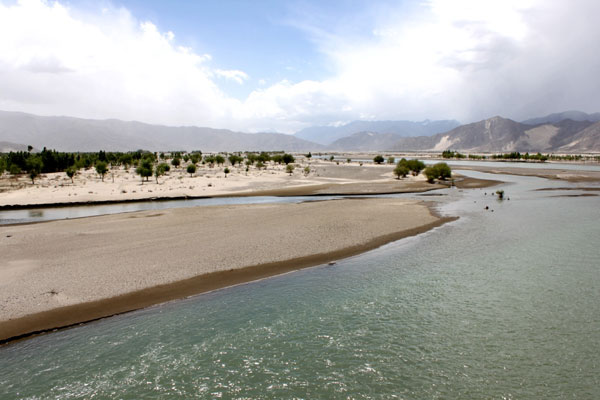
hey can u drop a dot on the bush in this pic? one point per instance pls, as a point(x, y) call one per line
point(144, 169)
point(378, 159)
point(289, 169)
point(101, 169)
point(401, 171)
point(438, 171)
point(191, 169)
point(288, 158)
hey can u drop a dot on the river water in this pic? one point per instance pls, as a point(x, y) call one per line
point(501, 304)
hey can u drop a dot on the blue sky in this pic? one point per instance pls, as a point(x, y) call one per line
point(284, 65)
point(253, 36)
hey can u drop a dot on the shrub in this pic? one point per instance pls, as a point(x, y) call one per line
point(288, 158)
point(101, 169)
point(401, 171)
point(438, 171)
point(378, 159)
point(191, 169)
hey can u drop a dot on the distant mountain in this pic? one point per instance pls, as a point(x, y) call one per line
point(557, 117)
point(328, 134)
point(499, 134)
point(77, 134)
point(365, 141)
point(584, 141)
point(6, 147)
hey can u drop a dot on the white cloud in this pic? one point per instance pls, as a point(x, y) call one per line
point(466, 59)
point(234, 75)
point(111, 65)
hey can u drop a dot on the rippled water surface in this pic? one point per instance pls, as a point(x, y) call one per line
point(497, 305)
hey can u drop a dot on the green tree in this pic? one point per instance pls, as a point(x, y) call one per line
point(176, 162)
point(191, 169)
point(195, 158)
point(288, 158)
point(210, 160)
point(144, 169)
point(438, 171)
point(378, 159)
point(309, 155)
point(14, 169)
point(219, 159)
point(160, 170)
point(391, 160)
point(126, 159)
point(260, 165)
point(101, 169)
point(415, 166)
point(71, 172)
point(226, 170)
point(235, 159)
point(289, 168)
point(34, 166)
point(306, 171)
point(401, 170)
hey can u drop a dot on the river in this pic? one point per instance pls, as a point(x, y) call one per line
point(503, 303)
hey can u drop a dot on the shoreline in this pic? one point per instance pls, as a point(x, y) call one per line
point(331, 189)
point(48, 293)
point(73, 315)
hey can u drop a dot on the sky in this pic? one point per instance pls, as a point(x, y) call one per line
point(280, 66)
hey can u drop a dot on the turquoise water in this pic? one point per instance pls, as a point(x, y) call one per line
point(53, 213)
point(8, 217)
point(497, 305)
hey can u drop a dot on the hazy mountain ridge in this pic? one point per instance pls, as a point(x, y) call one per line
point(499, 134)
point(78, 134)
point(6, 147)
point(365, 141)
point(495, 134)
point(327, 135)
point(561, 116)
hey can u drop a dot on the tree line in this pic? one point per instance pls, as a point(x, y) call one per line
point(145, 163)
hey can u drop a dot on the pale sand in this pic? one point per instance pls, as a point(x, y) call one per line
point(63, 272)
point(325, 177)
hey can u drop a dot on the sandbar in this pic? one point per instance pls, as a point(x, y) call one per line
point(61, 273)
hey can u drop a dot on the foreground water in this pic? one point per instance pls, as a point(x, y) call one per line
point(502, 304)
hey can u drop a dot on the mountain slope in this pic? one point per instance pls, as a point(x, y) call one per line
point(499, 134)
point(584, 141)
point(328, 134)
point(365, 141)
point(557, 117)
point(77, 134)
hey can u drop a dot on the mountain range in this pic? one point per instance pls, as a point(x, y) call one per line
point(78, 134)
point(566, 132)
point(327, 135)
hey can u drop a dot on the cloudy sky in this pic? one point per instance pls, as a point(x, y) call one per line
point(284, 65)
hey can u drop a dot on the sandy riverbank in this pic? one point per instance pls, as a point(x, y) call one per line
point(64, 272)
point(325, 177)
